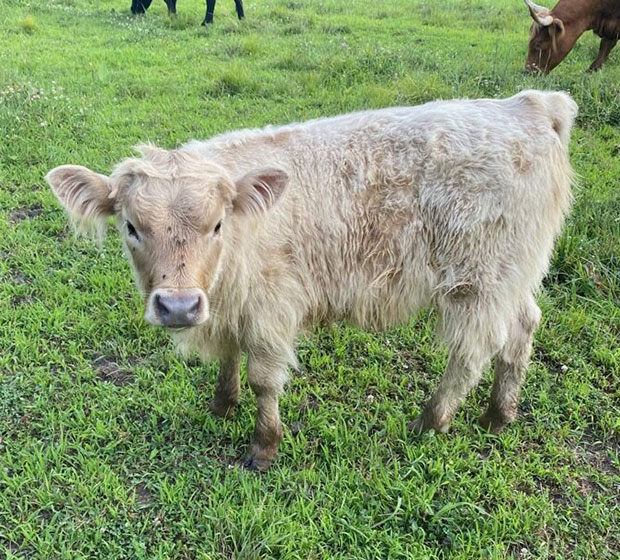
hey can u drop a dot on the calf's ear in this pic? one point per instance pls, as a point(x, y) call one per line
point(258, 190)
point(87, 196)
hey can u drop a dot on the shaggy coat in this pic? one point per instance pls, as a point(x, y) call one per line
point(241, 241)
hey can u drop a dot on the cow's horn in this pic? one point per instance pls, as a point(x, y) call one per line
point(539, 13)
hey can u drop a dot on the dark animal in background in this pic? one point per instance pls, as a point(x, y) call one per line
point(555, 32)
point(140, 7)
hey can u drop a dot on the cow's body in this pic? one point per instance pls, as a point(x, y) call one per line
point(555, 32)
point(450, 204)
point(140, 7)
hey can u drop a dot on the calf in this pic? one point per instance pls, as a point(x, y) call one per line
point(240, 241)
point(555, 32)
point(140, 7)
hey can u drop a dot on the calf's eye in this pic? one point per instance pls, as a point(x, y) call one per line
point(217, 228)
point(132, 230)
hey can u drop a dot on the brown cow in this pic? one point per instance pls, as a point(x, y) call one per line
point(241, 241)
point(555, 32)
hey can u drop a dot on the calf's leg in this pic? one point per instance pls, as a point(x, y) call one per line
point(460, 378)
point(266, 377)
point(228, 387)
point(510, 367)
point(473, 330)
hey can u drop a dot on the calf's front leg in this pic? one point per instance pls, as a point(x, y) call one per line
point(228, 387)
point(266, 377)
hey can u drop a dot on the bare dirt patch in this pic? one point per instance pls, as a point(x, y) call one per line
point(110, 371)
point(143, 496)
point(25, 213)
point(598, 453)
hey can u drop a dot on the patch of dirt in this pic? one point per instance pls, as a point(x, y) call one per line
point(16, 301)
point(25, 213)
point(585, 487)
point(311, 403)
point(296, 427)
point(519, 551)
point(109, 371)
point(19, 279)
point(556, 493)
point(551, 363)
point(143, 496)
point(597, 453)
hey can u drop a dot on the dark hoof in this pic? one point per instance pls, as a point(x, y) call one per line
point(256, 465)
point(221, 408)
point(258, 457)
point(493, 421)
point(422, 424)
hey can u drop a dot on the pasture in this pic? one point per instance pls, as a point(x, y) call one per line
point(107, 448)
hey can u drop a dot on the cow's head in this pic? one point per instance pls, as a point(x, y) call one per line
point(177, 215)
point(549, 42)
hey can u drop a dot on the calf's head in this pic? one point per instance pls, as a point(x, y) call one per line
point(549, 41)
point(176, 214)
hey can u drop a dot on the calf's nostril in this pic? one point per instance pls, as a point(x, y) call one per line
point(162, 310)
point(195, 308)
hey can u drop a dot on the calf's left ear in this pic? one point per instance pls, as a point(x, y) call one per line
point(87, 196)
point(257, 191)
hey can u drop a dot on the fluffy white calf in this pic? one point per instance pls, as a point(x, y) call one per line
point(240, 241)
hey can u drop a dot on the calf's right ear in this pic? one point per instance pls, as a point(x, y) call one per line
point(87, 196)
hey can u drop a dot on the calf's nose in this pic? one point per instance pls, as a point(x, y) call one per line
point(177, 308)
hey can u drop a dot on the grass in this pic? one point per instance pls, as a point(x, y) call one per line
point(107, 449)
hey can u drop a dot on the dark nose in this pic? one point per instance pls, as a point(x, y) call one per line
point(178, 309)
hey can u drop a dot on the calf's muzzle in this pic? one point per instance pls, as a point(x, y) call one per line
point(169, 307)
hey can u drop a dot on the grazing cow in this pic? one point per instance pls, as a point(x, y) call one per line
point(140, 7)
point(555, 32)
point(240, 241)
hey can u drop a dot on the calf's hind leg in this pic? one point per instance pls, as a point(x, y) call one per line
point(460, 377)
point(510, 367)
point(473, 335)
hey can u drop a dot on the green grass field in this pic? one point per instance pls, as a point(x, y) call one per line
point(107, 449)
